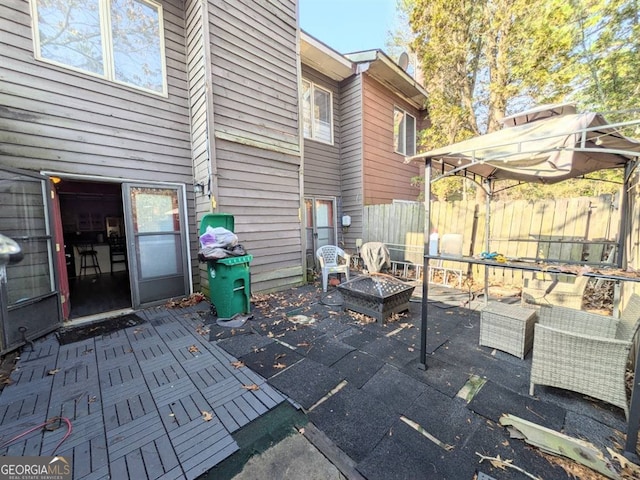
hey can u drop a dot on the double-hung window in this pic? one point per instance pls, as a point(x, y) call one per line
point(317, 112)
point(404, 132)
point(120, 40)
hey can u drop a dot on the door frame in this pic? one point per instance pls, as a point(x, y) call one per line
point(311, 249)
point(135, 271)
point(182, 192)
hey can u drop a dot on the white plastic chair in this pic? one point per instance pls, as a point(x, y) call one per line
point(329, 258)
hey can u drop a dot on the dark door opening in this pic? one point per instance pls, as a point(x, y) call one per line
point(93, 229)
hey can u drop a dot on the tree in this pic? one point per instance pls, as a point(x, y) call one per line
point(484, 59)
point(609, 56)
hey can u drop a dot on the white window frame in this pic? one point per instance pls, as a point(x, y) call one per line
point(107, 46)
point(407, 135)
point(314, 134)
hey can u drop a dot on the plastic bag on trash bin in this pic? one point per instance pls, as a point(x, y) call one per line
point(216, 253)
point(212, 253)
point(218, 237)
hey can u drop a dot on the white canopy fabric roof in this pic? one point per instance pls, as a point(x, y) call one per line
point(547, 150)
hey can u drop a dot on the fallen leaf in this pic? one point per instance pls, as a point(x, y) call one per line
point(301, 430)
point(270, 335)
point(497, 462)
point(202, 330)
point(280, 355)
point(238, 364)
point(207, 416)
point(279, 365)
point(251, 387)
point(304, 344)
point(92, 398)
point(194, 349)
point(411, 349)
point(53, 372)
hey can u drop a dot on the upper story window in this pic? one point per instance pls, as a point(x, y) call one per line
point(317, 112)
point(404, 132)
point(120, 40)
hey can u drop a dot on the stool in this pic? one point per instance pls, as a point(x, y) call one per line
point(117, 251)
point(88, 259)
point(508, 328)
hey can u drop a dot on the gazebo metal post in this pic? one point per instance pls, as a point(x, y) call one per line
point(633, 422)
point(487, 228)
point(425, 268)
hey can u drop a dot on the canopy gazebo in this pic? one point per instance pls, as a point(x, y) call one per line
point(546, 145)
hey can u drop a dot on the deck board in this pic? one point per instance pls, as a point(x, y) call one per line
point(135, 398)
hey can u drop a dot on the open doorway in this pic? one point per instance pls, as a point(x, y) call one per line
point(320, 222)
point(97, 267)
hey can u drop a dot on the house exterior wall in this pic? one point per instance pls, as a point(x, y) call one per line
point(351, 153)
point(53, 118)
point(321, 160)
point(255, 162)
point(386, 176)
point(56, 119)
point(201, 120)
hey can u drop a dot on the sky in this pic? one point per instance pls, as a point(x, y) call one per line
point(349, 25)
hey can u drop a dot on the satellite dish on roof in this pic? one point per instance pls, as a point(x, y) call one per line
point(403, 61)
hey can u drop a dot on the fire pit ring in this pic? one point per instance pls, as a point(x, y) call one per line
point(377, 296)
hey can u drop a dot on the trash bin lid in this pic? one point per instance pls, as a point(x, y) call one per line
point(224, 220)
point(235, 260)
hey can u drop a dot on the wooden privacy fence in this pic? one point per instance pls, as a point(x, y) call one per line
point(571, 230)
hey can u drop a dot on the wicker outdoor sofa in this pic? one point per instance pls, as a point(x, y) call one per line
point(585, 352)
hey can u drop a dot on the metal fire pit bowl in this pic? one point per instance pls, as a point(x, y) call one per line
point(376, 296)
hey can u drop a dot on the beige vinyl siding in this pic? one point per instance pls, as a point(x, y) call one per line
point(351, 156)
point(321, 160)
point(255, 88)
point(54, 118)
point(386, 177)
point(257, 144)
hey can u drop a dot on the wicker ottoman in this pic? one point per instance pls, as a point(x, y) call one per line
point(508, 328)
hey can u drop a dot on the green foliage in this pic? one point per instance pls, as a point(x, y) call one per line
point(485, 59)
point(609, 54)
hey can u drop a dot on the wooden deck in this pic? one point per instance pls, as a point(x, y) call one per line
point(135, 399)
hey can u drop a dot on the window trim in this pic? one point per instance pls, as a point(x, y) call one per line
point(406, 134)
point(312, 87)
point(107, 47)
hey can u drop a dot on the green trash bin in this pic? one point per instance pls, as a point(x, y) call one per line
point(229, 278)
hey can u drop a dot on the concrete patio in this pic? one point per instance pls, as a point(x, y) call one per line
point(137, 398)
